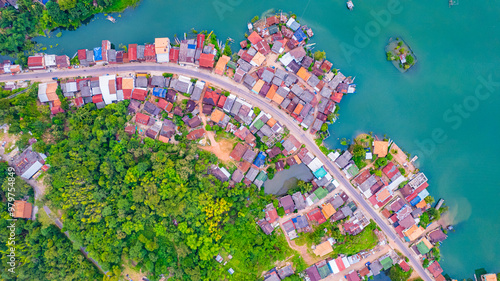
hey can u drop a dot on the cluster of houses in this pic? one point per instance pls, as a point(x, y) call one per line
point(324, 268)
point(279, 274)
point(28, 165)
point(8, 68)
point(306, 89)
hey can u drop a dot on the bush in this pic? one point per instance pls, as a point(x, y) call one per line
point(167, 75)
point(281, 211)
point(402, 171)
point(381, 162)
point(397, 274)
point(256, 110)
point(208, 127)
point(319, 55)
point(254, 19)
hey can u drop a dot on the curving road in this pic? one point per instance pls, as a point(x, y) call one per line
point(240, 91)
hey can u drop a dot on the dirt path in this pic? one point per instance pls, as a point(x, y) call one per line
point(221, 149)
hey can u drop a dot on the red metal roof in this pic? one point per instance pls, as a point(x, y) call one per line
point(82, 54)
point(200, 39)
point(254, 38)
point(149, 52)
point(127, 93)
point(272, 216)
point(337, 97)
point(162, 104)
point(79, 101)
point(132, 52)
point(316, 215)
point(404, 266)
point(174, 55)
point(35, 61)
point(139, 94)
point(97, 98)
point(390, 170)
point(417, 191)
point(142, 118)
point(207, 60)
point(222, 101)
point(340, 263)
point(119, 83)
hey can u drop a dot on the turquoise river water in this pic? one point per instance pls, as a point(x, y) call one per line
point(445, 109)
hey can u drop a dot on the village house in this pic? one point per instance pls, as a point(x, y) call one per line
point(22, 209)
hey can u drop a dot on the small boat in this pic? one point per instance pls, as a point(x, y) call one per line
point(111, 19)
point(250, 26)
point(350, 5)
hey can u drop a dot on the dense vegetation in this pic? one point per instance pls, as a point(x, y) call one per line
point(45, 253)
point(160, 209)
point(31, 19)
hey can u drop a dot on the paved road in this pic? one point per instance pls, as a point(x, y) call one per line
point(241, 91)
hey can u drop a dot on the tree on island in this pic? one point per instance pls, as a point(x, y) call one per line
point(254, 19)
point(319, 55)
point(410, 60)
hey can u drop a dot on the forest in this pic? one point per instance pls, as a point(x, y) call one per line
point(31, 19)
point(141, 203)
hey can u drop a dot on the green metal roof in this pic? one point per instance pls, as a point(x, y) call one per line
point(258, 124)
point(324, 271)
point(262, 176)
point(386, 263)
point(353, 170)
point(321, 193)
point(422, 248)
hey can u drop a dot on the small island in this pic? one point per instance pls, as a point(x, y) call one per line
point(400, 54)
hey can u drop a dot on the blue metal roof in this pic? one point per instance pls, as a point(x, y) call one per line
point(191, 46)
point(97, 54)
point(320, 173)
point(159, 92)
point(261, 158)
point(300, 35)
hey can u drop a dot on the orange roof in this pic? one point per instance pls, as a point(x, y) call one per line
point(323, 249)
point(297, 159)
point(162, 45)
point(380, 148)
point(256, 88)
point(221, 65)
point(22, 209)
point(298, 109)
point(278, 99)
point(254, 38)
point(489, 277)
point(56, 103)
point(258, 59)
point(304, 74)
point(421, 204)
point(163, 139)
point(127, 83)
point(427, 243)
point(217, 115)
point(383, 195)
point(51, 87)
point(413, 232)
point(328, 210)
point(272, 91)
point(271, 122)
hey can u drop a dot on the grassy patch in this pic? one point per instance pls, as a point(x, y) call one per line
point(355, 244)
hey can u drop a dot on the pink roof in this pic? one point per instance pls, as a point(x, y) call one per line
point(97, 98)
point(207, 60)
point(82, 54)
point(404, 266)
point(200, 39)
